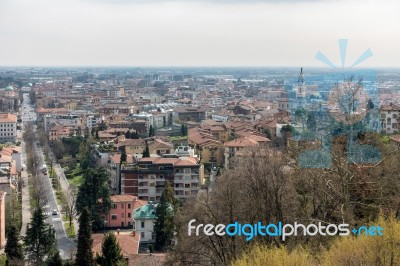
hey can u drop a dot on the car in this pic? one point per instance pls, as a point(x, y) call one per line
point(55, 212)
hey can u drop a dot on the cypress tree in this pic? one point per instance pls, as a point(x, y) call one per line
point(111, 252)
point(39, 239)
point(164, 225)
point(146, 152)
point(54, 259)
point(84, 255)
point(13, 248)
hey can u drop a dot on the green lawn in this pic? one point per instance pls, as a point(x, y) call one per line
point(178, 138)
point(70, 230)
point(75, 177)
point(76, 180)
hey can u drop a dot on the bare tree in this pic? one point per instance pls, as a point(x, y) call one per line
point(69, 205)
point(38, 191)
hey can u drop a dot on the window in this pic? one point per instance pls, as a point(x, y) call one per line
point(129, 205)
point(394, 125)
point(142, 224)
point(114, 217)
point(129, 215)
point(114, 206)
point(142, 234)
point(122, 205)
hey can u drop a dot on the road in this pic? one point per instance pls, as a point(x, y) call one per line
point(65, 245)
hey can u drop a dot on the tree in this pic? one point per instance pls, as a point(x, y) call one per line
point(267, 132)
point(39, 239)
point(97, 134)
point(13, 248)
point(111, 252)
point(94, 194)
point(54, 259)
point(134, 135)
point(164, 225)
point(84, 255)
point(151, 131)
point(311, 121)
point(123, 157)
point(146, 152)
point(69, 205)
point(164, 121)
point(184, 130)
point(128, 134)
point(102, 126)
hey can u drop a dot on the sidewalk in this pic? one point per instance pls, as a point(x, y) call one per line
point(26, 206)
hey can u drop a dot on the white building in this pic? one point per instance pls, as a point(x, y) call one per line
point(8, 127)
point(143, 222)
point(389, 118)
point(93, 120)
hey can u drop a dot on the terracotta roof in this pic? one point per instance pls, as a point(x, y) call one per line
point(201, 137)
point(8, 118)
point(390, 107)
point(128, 243)
point(128, 198)
point(159, 144)
point(187, 161)
point(252, 140)
point(194, 109)
point(147, 259)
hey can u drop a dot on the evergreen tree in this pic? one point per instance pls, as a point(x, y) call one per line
point(134, 135)
point(13, 248)
point(123, 157)
point(267, 132)
point(164, 225)
point(151, 131)
point(54, 259)
point(184, 130)
point(97, 134)
point(84, 255)
point(94, 194)
point(111, 252)
point(311, 122)
point(39, 239)
point(128, 134)
point(146, 152)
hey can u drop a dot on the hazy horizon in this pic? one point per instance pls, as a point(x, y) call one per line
point(222, 33)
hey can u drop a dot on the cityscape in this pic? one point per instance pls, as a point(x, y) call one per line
point(201, 132)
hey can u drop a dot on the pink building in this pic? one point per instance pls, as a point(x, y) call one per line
point(120, 214)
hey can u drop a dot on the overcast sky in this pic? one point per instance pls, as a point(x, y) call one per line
point(196, 33)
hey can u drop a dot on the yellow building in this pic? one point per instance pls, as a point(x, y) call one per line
point(207, 146)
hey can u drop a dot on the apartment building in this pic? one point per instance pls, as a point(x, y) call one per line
point(8, 127)
point(233, 147)
point(207, 146)
point(389, 118)
point(146, 179)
